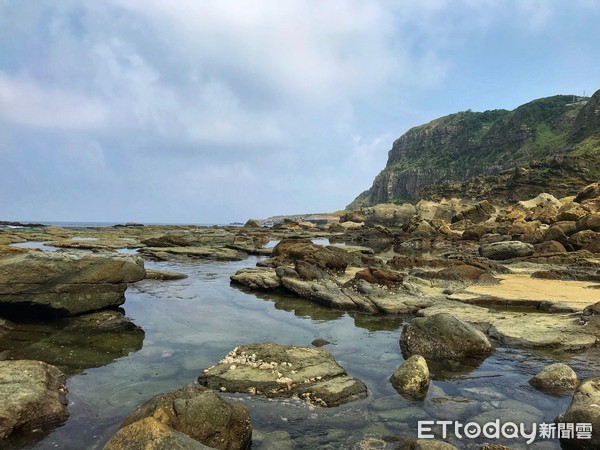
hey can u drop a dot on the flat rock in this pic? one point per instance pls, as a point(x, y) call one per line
point(557, 331)
point(164, 275)
point(443, 336)
point(258, 278)
point(66, 282)
point(32, 396)
point(209, 253)
point(194, 411)
point(275, 370)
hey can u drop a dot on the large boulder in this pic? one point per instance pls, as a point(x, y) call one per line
point(389, 214)
point(411, 379)
point(583, 238)
point(194, 411)
point(506, 250)
point(589, 222)
point(477, 213)
point(67, 283)
point(275, 370)
point(584, 409)
point(557, 379)
point(589, 192)
point(560, 231)
point(571, 211)
point(32, 396)
point(330, 258)
point(530, 232)
point(443, 336)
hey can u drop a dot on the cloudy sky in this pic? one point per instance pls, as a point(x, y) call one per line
point(210, 111)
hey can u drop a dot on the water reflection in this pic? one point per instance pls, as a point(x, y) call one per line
point(73, 344)
point(291, 303)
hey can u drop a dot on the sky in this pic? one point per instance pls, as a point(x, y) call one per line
point(213, 111)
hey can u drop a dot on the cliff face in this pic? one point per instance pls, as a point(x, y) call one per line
point(550, 144)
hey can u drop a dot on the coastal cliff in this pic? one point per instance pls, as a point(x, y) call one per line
point(547, 145)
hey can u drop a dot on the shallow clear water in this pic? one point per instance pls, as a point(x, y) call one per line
point(35, 244)
point(191, 324)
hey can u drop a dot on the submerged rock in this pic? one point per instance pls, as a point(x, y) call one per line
point(443, 336)
point(65, 283)
point(274, 370)
point(584, 409)
point(319, 342)
point(411, 379)
point(32, 395)
point(193, 411)
point(164, 275)
point(557, 379)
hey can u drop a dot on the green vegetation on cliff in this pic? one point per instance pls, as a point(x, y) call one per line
point(462, 146)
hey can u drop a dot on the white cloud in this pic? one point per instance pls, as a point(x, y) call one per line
point(29, 103)
point(220, 103)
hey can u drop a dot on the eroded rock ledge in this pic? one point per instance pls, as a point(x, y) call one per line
point(66, 283)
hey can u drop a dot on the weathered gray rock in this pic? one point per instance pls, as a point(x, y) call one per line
point(194, 411)
point(150, 434)
point(257, 278)
point(555, 379)
point(506, 250)
point(411, 379)
point(68, 283)
point(193, 252)
point(584, 409)
point(443, 336)
point(274, 370)
point(32, 395)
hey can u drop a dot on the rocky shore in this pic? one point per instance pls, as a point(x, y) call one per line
point(466, 278)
